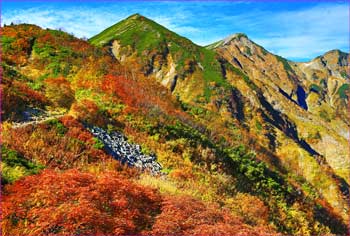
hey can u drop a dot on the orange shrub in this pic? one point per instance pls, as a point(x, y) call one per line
point(16, 96)
point(187, 216)
point(251, 208)
point(59, 91)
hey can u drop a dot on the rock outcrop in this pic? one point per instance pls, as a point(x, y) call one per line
point(116, 145)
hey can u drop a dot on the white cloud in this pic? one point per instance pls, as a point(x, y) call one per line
point(83, 22)
point(299, 47)
point(301, 33)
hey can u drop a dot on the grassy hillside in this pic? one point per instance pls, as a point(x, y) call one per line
point(151, 42)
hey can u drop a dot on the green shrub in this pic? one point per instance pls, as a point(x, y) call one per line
point(15, 166)
point(285, 63)
point(248, 51)
point(343, 74)
point(6, 43)
point(325, 116)
point(60, 128)
point(98, 144)
point(258, 125)
point(343, 90)
point(316, 88)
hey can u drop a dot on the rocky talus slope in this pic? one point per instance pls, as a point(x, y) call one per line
point(116, 145)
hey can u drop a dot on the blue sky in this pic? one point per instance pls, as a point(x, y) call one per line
point(297, 30)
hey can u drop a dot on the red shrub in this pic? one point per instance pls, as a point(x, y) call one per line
point(87, 111)
point(44, 144)
point(142, 94)
point(76, 129)
point(77, 203)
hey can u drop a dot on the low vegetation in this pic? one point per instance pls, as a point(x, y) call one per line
point(59, 179)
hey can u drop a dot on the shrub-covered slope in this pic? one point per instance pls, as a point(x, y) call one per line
point(210, 156)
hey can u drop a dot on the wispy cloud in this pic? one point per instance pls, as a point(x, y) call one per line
point(306, 33)
point(82, 22)
point(299, 31)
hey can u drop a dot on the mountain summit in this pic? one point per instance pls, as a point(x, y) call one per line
point(163, 54)
point(226, 40)
point(137, 29)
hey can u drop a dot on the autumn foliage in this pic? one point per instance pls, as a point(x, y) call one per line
point(186, 216)
point(75, 203)
point(195, 142)
point(57, 144)
point(17, 42)
point(87, 111)
point(19, 95)
point(59, 91)
point(141, 94)
point(78, 203)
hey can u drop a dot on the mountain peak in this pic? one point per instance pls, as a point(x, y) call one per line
point(227, 40)
point(144, 33)
point(335, 55)
point(136, 16)
point(129, 26)
point(336, 52)
point(234, 36)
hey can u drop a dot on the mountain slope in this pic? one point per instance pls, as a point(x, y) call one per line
point(55, 73)
point(317, 90)
point(266, 96)
point(167, 56)
point(216, 131)
point(312, 96)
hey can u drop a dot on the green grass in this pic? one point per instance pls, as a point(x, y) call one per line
point(316, 88)
point(14, 166)
point(343, 90)
point(285, 63)
point(143, 33)
point(60, 128)
point(211, 72)
point(344, 74)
